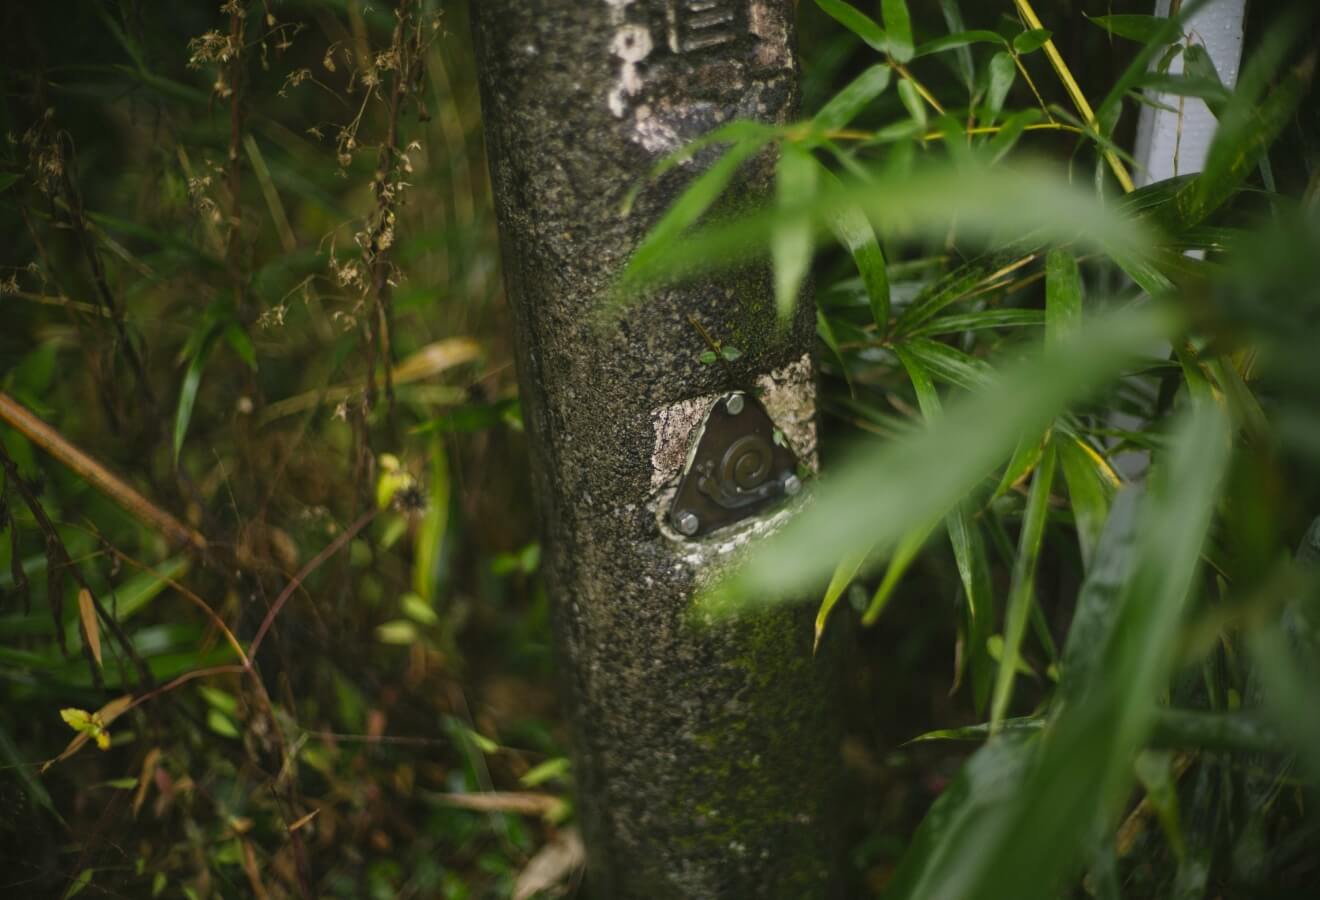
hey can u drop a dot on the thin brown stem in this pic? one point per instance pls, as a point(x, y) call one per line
point(47, 438)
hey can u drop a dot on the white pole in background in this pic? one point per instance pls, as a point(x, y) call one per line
point(1175, 141)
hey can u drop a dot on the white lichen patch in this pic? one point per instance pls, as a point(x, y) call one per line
point(631, 44)
point(772, 36)
point(789, 396)
point(676, 429)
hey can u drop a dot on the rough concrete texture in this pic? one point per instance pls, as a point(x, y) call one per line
point(704, 752)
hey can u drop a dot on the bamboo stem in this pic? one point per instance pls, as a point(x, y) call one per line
point(1075, 92)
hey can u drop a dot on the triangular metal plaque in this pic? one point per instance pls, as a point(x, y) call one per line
point(741, 465)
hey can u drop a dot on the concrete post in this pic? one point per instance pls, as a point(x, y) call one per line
point(1175, 140)
point(704, 753)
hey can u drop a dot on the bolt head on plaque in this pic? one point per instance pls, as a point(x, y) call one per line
point(740, 466)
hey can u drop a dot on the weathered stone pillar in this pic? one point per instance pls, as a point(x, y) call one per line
point(704, 752)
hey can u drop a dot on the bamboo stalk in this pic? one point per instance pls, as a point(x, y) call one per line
point(1075, 92)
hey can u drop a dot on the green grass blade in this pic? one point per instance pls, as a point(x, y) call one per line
point(1022, 591)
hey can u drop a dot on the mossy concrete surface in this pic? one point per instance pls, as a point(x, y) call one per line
point(705, 751)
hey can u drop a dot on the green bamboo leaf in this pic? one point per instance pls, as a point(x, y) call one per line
point(898, 25)
point(968, 549)
point(854, 231)
point(958, 323)
point(791, 243)
point(431, 535)
point(986, 204)
point(953, 20)
point(1255, 115)
point(1022, 591)
point(959, 40)
point(700, 195)
point(844, 573)
point(739, 131)
point(968, 278)
point(1091, 485)
point(1154, 770)
point(1140, 28)
point(857, 22)
point(1003, 72)
point(848, 103)
point(1076, 775)
point(825, 332)
point(192, 380)
point(990, 780)
point(905, 553)
point(1030, 41)
point(874, 499)
point(948, 364)
point(912, 102)
point(1063, 295)
point(1010, 132)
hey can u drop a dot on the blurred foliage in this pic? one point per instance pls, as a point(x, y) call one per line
point(250, 269)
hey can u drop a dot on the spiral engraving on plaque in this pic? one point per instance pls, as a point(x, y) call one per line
point(742, 476)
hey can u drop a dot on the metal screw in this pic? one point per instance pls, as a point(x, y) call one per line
point(791, 484)
point(734, 404)
point(687, 522)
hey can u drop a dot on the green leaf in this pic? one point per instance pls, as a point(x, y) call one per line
point(707, 357)
point(1134, 27)
point(730, 353)
point(985, 204)
point(947, 363)
point(238, 339)
point(958, 323)
point(898, 23)
point(1031, 41)
point(905, 553)
point(1010, 132)
point(397, 631)
point(1022, 591)
point(8, 180)
point(969, 278)
point(417, 609)
point(854, 231)
point(791, 241)
point(968, 550)
point(221, 724)
point(848, 103)
point(1003, 72)
point(876, 497)
point(1063, 295)
point(1091, 485)
point(215, 698)
point(844, 573)
point(953, 20)
point(704, 190)
point(1044, 811)
point(989, 781)
point(912, 102)
point(1154, 769)
point(76, 887)
point(959, 40)
point(1255, 115)
point(192, 380)
point(857, 22)
point(431, 535)
point(556, 768)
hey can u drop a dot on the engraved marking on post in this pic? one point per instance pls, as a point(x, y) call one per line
point(696, 25)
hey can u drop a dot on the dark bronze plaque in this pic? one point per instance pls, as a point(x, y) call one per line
point(742, 464)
